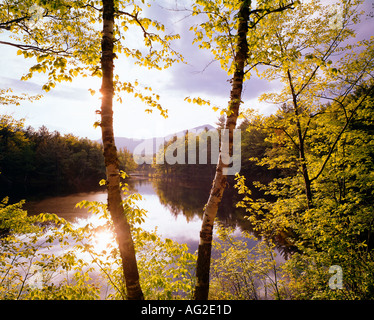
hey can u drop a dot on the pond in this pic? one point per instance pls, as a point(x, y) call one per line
point(173, 207)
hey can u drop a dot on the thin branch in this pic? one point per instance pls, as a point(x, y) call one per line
point(290, 137)
point(275, 128)
point(269, 11)
point(147, 34)
point(262, 63)
point(135, 17)
point(30, 47)
point(93, 7)
point(328, 53)
point(206, 67)
point(6, 25)
point(340, 134)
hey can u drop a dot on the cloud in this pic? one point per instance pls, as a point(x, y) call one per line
point(21, 86)
point(62, 91)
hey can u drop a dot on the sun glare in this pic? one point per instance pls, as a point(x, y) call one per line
point(103, 241)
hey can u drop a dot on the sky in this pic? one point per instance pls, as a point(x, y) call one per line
point(70, 108)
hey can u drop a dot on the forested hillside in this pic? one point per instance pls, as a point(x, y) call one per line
point(39, 161)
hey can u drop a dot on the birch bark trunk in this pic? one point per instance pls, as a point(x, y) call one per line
point(219, 182)
point(122, 227)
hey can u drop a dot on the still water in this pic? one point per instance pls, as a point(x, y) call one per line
point(174, 208)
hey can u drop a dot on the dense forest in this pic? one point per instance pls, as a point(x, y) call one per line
point(253, 146)
point(35, 162)
point(202, 166)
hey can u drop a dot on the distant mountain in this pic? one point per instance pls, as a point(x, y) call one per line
point(131, 143)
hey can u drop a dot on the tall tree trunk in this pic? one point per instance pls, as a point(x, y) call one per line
point(219, 182)
point(121, 226)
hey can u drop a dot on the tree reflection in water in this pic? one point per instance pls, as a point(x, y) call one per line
point(174, 207)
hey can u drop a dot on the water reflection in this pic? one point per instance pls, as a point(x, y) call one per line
point(65, 206)
point(178, 221)
point(174, 207)
point(182, 197)
point(188, 199)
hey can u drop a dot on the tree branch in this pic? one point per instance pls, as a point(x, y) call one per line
point(93, 7)
point(262, 63)
point(30, 47)
point(340, 134)
point(325, 56)
point(269, 11)
point(6, 25)
point(135, 17)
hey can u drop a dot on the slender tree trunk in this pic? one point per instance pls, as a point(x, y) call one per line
point(219, 182)
point(302, 158)
point(122, 228)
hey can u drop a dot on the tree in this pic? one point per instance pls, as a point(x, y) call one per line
point(224, 18)
point(121, 225)
point(254, 148)
point(338, 229)
point(303, 60)
point(66, 44)
point(126, 160)
point(321, 202)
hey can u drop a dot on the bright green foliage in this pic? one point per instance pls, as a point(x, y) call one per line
point(217, 33)
point(319, 207)
point(53, 32)
point(245, 268)
point(165, 267)
point(28, 268)
point(338, 229)
point(326, 148)
point(46, 257)
point(64, 37)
